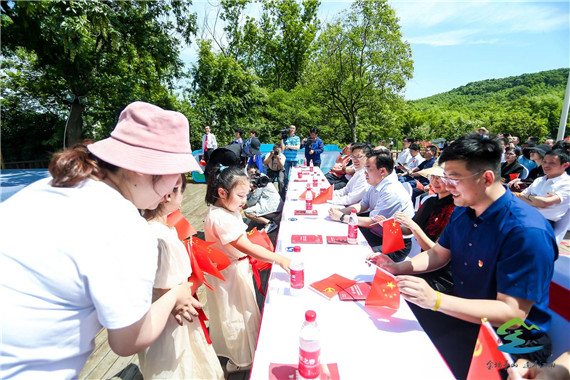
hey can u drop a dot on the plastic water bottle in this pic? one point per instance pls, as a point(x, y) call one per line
point(309, 348)
point(352, 228)
point(297, 268)
point(309, 199)
point(311, 167)
point(315, 181)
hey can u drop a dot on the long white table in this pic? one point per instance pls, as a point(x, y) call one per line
point(365, 342)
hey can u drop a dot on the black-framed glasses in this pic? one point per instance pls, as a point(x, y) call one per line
point(455, 181)
point(359, 157)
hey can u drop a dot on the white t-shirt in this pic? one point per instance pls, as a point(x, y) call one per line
point(403, 157)
point(71, 260)
point(559, 186)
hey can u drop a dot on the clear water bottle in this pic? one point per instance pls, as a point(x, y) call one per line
point(297, 268)
point(309, 348)
point(309, 198)
point(352, 228)
point(315, 181)
point(311, 167)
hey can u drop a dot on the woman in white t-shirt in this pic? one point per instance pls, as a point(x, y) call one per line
point(75, 253)
point(234, 314)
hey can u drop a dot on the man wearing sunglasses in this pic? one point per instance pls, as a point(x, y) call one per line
point(502, 254)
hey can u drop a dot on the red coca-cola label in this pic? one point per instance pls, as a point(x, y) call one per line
point(309, 203)
point(300, 175)
point(309, 364)
point(315, 183)
point(297, 279)
point(352, 231)
point(311, 168)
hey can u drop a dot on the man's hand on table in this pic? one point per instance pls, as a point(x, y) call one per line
point(417, 290)
point(335, 213)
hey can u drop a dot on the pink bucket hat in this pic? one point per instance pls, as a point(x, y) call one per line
point(148, 140)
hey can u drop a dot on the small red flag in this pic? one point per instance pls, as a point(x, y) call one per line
point(513, 176)
point(419, 185)
point(330, 286)
point(261, 238)
point(183, 228)
point(384, 291)
point(487, 359)
point(302, 196)
point(324, 196)
point(392, 240)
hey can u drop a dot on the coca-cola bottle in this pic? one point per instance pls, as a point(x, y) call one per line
point(309, 347)
point(352, 228)
point(311, 167)
point(309, 198)
point(315, 181)
point(297, 269)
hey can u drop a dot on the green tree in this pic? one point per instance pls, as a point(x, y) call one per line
point(361, 64)
point(109, 52)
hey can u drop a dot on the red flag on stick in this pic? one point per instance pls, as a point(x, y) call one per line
point(384, 291)
point(183, 228)
point(324, 196)
point(302, 196)
point(487, 359)
point(392, 240)
point(204, 258)
point(260, 238)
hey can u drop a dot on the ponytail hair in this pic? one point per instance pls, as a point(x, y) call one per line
point(225, 178)
point(73, 166)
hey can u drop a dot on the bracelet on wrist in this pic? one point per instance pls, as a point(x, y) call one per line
point(438, 302)
point(342, 218)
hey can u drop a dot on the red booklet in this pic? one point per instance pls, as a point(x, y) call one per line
point(357, 292)
point(306, 212)
point(306, 239)
point(330, 286)
point(337, 240)
point(289, 371)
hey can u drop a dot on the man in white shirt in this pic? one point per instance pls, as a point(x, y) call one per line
point(357, 186)
point(404, 155)
point(384, 198)
point(414, 160)
point(275, 162)
point(550, 194)
point(209, 143)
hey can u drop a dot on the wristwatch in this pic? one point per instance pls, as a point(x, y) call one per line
point(342, 218)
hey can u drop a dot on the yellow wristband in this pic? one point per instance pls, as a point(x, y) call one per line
point(438, 302)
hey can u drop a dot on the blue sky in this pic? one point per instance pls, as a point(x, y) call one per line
point(457, 42)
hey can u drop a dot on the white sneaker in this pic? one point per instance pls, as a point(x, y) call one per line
point(231, 367)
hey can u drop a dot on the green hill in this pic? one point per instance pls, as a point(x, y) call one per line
point(524, 105)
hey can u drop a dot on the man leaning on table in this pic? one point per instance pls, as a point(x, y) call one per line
point(385, 197)
point(357, 186)
point(502, 254)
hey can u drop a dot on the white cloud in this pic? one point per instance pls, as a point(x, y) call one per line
point(477, 21)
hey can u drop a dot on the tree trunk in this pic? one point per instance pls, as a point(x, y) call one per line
point(74, 132)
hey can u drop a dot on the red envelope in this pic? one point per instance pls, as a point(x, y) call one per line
point(306, 239)
point(330, 286)
point(306, 212)
point(337, 239)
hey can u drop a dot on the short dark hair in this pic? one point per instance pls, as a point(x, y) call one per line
point(479, 153)
point(239, 130)
point(510, 148)
point(252, 166)
point(414, 146)
point(382, 160)
point(561, 154)
point(433, 148)
point(226, 178)
point(254, 132)
point(409, 139)
point(364, 147)
point(276, 146)
point(314, 130)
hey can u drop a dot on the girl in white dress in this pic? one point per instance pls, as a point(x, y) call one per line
point(234, 315)
point(181, 351)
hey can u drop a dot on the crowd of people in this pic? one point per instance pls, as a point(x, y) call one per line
point(487, 229)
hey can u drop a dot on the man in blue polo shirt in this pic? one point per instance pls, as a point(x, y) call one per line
point(502, 254)
point(290, 146)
